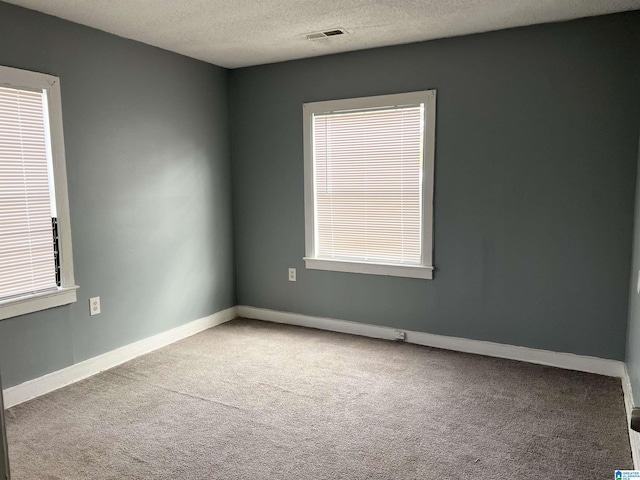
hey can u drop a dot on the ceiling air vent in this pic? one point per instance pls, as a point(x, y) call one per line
point(325, 34)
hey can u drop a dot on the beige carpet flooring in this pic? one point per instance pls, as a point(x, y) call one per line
point(254, 400)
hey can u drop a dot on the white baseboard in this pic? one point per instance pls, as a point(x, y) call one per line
point(634, 437)
point(567, 361)
point(55, 380)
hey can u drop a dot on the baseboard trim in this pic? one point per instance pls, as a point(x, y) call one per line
point(634, 437)
point(569, 361)
point(74, 373)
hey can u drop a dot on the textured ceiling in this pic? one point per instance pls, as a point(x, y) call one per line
point(239, 33)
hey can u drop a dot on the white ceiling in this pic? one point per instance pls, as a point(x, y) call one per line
point(238, 33)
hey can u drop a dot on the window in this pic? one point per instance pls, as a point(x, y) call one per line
point(369, 184)
point(36, 268)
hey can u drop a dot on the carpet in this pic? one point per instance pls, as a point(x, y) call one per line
point(255, 400)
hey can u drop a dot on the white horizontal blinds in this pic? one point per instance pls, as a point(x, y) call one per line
point(27, 262)
point(368, 185)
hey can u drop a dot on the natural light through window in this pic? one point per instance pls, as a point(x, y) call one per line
point(36, 270)
point(27, 254)
point(369, 184)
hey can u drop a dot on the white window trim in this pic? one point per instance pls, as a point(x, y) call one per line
point(425, 270)
point(66, 293)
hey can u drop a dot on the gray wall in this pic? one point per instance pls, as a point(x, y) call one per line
point(537, 136)
point(633, 340)
point(147, 142)
point(535, 177)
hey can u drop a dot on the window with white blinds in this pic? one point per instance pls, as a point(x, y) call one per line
point(36, 271)
point(369, 168)
point(27, 255)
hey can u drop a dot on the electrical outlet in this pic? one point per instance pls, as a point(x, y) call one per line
point(292, 274)
point(94, 306)
point(400, 335)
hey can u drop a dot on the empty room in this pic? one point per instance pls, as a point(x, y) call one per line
point(319, 240)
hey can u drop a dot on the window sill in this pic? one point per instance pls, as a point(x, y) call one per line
point(410, 271)
point(40, 301)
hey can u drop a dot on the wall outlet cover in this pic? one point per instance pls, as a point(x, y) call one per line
point(94, 305)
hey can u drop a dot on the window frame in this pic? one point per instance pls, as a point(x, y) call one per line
point(66, 293)
point(425, 269)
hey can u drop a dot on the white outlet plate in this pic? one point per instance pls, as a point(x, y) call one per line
point(292, 274)
point(400, 335)
point(94, 306)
